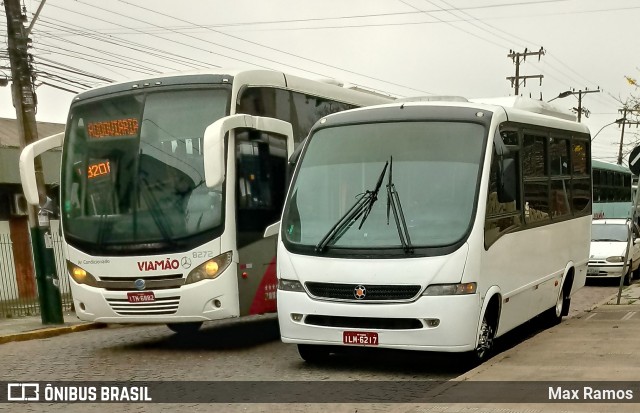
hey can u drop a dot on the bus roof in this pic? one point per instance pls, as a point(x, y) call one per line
point(529, 105)
point(516, 109)
point(256, 77)
point(609, 166)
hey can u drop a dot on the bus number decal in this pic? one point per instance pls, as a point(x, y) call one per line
point(203, 254)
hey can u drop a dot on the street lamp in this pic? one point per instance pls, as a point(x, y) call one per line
point(618, 121)
point(562, 95)
point(579, 110)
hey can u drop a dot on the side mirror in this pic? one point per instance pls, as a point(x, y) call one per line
point(27, 165)
point(507, 186)
point(272, 229)
point(214, 156)
point(293, 160)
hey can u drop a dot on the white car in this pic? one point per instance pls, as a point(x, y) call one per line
point(609, 240)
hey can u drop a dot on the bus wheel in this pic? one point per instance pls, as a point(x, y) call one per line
point(313, 354)
point(485, 341)
point(554, 314)
point(185, 328)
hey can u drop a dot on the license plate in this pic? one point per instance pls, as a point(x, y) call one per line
point(360, 338)
point(142, 297)
point(593, 271)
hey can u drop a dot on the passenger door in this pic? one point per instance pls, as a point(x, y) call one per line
point(261, 161)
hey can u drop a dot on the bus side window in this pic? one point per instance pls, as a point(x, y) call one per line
point(560, 177)
point(502, 217)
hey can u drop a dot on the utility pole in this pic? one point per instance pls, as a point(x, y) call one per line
point(25, 102)
point(624, 112)
point(522, 57)
point(579, 109)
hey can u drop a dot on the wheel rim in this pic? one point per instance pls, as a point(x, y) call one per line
point(485, 341)
point(559, 304)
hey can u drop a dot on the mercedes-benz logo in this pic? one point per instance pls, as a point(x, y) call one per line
point(186, 262)
point(140, 284)
point(360, 292)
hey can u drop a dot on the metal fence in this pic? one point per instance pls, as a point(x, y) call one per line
point(12, 302)
point(61, 266)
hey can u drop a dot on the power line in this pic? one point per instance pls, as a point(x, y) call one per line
point(452, 25)
point(137, 47)
point(471, 21)
point(276, 50)
point(352, 17)
point(528, 15)
point(526, 41)
point(75, 92)
point(71, 70)
point(154, 35)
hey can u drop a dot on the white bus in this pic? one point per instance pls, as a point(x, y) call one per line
point(147, 240)
point(434, 226)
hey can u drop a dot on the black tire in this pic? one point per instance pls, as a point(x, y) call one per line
point(485, 347)
point(185, 328)
point(313, 353)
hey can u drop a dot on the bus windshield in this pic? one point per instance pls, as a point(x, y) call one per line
point(436, 168)
point(133, 171)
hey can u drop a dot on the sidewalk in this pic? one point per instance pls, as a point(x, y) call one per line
point(29, 328)
point(597, 346)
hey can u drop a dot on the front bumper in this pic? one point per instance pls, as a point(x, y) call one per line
point(202, 301)
point(456, 332)
point(604, 270)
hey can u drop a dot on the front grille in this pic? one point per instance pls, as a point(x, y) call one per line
point(160, 282)
point(364, 322)
point(373, 292)
point(161, 306)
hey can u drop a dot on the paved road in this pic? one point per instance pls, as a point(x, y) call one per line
point(248, 349)
point(593, 293)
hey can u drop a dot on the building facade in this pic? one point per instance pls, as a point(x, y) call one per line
point(17, 276)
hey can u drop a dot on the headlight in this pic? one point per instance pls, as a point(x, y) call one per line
point(615, 258)
point(290, 285)
point(451, 289)
point(210, 269)
point(81, 276)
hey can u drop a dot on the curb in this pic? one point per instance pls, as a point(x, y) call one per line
point(498, 358)
point(49, 332)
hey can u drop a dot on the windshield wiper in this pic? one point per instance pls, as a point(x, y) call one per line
point(393, 203)
point(362, 207)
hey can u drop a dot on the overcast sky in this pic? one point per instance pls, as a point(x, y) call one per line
point(402, 47)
